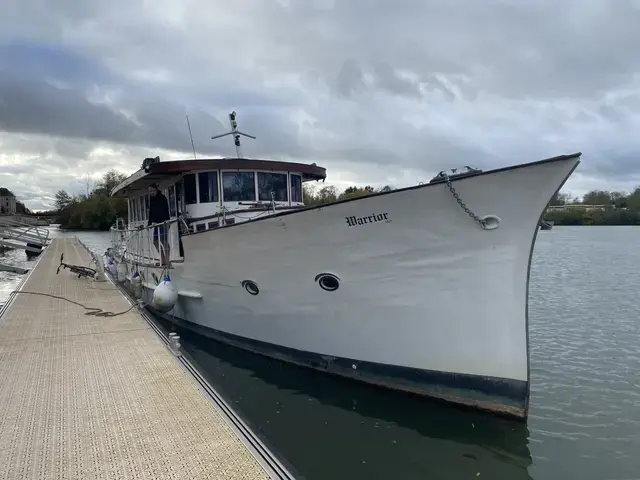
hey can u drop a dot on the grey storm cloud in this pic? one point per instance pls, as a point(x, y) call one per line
point(365, 87)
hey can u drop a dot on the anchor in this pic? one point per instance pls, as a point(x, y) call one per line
point(79, 269)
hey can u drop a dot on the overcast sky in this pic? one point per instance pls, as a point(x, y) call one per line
point(377, 91)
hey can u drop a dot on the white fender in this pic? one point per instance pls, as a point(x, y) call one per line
point(136, 285)
point(165, 295)
point(121, 272)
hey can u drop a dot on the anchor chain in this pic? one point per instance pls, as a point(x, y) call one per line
point(476, 218)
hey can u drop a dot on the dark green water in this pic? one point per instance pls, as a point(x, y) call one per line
point(585, 403)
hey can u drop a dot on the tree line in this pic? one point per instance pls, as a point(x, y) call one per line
point(597, 207)
point(328, 194)
point(93, 209)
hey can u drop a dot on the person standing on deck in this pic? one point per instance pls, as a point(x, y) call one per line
point(159, 213)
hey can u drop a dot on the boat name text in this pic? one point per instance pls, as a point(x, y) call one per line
point(373, 218)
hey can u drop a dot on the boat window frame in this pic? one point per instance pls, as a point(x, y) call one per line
point(173, 212)
point(137, 207)
point(184, 188)
point(146, 205)
point(239, 170)
point(292, 202)
point(276, 172)
point(218, 187)
point(180, 205)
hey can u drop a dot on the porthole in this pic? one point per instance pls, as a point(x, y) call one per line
point(251, 287)
point(328, 281)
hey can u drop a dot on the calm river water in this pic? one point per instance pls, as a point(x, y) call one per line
point(585, 402)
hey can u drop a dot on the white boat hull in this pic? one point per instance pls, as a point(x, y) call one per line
point(428, 301)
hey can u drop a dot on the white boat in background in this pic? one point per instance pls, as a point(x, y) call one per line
point(422, 289)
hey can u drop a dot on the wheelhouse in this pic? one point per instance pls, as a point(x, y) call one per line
point(212, 193)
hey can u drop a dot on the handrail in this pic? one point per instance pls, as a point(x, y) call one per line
point(144, 227)
point(137, 244)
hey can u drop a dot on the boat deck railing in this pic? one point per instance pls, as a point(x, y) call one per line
point(142, 245)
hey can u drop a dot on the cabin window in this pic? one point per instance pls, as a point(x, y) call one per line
point(179, 197)
point(272, 182)
point(190, 191)
point(296, 188)
point(208, 183)
point(145, 207)
point(139, 208)
point(238, 187)
point(172, 201)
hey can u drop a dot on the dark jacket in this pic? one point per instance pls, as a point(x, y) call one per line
point(158, 209)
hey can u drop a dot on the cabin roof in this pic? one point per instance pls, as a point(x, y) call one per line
point(159, 171)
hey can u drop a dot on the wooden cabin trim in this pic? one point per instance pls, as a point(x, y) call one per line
point(161, 171)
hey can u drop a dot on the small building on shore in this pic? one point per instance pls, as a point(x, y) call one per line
point(7, 202)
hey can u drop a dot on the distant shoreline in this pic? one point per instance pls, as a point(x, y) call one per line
point(592, 215)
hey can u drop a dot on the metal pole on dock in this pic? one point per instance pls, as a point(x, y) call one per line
point(174, 344)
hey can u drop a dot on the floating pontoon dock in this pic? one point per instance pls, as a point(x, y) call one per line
point(102, 397)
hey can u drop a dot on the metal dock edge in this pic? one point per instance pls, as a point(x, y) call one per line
point(87, 396)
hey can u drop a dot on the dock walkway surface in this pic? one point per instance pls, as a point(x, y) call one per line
point(88, 397)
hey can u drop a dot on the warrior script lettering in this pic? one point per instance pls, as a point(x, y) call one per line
point(373, 218)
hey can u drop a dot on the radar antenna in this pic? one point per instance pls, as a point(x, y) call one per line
point(235, 132)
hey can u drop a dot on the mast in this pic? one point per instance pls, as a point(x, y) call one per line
point(235, 132)
point(191, 137)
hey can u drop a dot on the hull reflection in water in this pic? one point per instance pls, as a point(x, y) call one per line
point(422, 289)
point(367, 432)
